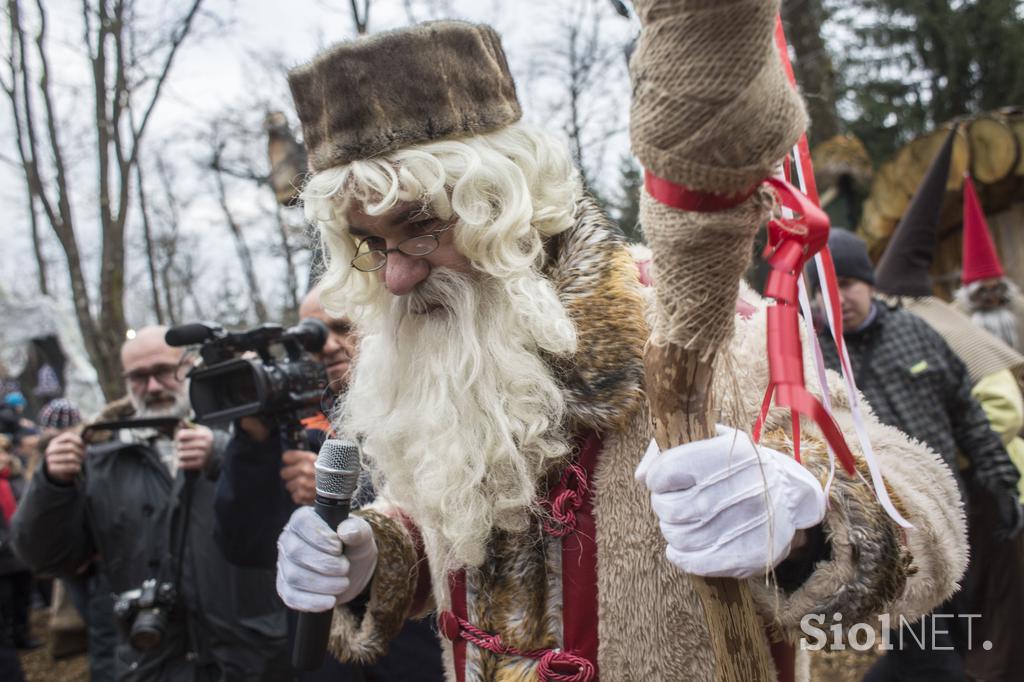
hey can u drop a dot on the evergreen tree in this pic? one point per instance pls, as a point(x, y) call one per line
point(916, 63)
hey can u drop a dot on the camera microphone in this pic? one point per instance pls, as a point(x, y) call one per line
point(337, 474)
point(188, 334)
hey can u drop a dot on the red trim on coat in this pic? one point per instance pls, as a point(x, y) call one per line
point(422, 591)
point(784, 657)
point(457, 586)
point(579, 567)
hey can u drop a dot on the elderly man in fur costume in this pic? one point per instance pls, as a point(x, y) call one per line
point(499, 401)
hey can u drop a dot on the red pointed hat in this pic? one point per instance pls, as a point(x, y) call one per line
point(980, 258)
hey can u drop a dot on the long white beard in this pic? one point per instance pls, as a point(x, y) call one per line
point(1001, 321)
point(459, 414)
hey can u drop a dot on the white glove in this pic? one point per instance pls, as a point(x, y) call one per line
point(318, 568)
point(727, 507)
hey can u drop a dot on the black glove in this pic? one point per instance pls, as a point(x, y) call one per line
point(1011, 515)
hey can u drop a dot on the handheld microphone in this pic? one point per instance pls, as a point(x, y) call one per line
point(337, 474)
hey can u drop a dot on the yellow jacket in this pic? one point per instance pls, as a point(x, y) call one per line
point(1000, 397)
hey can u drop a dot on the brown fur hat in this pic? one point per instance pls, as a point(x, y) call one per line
point(363, 98)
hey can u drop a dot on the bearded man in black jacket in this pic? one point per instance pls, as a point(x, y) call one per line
point(142, 500)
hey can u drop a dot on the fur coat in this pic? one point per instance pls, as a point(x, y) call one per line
point(599, 587)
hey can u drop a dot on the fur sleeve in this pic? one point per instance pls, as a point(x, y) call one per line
point(362, 635)
point(874, 566)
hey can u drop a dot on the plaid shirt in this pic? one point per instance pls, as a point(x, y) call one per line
point(914, 381)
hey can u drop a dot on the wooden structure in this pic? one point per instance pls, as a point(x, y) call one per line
point(843, 171)
point(287, 158)
point(990, 146)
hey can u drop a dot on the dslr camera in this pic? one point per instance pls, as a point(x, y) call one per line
point(144, 611)
point(268, 371)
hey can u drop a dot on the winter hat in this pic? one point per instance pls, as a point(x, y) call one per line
point(903, 268)
point(47, 383)
point(980, 258)
point(14, 399)
point(850, 257)
point(59, 413)
point(437, 80)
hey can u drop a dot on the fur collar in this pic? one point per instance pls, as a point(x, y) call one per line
point(121, 408)
point(598, 283)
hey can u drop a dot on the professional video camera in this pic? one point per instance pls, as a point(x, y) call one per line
point(281, 387)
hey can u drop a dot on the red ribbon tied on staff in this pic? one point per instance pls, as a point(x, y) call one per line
point(792, 241)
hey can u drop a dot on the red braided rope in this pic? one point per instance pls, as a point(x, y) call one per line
point(572, 491)
point(554, 665)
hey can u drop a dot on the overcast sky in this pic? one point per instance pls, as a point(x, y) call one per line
point(237, 61)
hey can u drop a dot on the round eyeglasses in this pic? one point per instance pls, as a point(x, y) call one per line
point(369, 259)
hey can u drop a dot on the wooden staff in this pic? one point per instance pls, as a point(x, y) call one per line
point(708, 133)
point(679, 389)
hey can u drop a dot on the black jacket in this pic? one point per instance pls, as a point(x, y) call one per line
point(127, 508)
point(914, 381)
point(253, 507)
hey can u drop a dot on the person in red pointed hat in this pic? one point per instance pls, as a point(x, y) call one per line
point(988, 296)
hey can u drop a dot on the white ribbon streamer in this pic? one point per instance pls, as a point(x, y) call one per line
point(874, 466)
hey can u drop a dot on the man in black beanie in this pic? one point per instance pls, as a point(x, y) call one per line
point(915, 382)
point(856, 279)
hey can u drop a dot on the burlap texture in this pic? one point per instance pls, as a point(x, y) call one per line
point(698, 261)
point(712, 107)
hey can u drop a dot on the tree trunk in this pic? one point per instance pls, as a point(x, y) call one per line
point(37, 244)
point(108, 43)
point(290, 316)
point(244, 255)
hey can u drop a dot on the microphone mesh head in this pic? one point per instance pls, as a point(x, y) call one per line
point(337, 469)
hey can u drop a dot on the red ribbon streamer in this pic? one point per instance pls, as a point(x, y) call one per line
point(791, 243)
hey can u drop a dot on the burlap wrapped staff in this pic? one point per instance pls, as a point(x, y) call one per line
point(712, 111)
point(712, 108)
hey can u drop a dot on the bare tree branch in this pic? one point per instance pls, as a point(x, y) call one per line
point(64, 224)
point(288, 254)
point(147, 232)
point(361, 19)
point(244, 255)
point(109, 44)
point(177, 38)
point(26, 155)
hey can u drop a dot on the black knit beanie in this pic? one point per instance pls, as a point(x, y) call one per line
point(850, 256)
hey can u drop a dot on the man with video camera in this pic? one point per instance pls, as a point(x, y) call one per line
point(264, 479)
point(137, 490)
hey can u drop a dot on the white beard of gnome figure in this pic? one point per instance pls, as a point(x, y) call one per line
point(501, 401)
point(990, 298)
